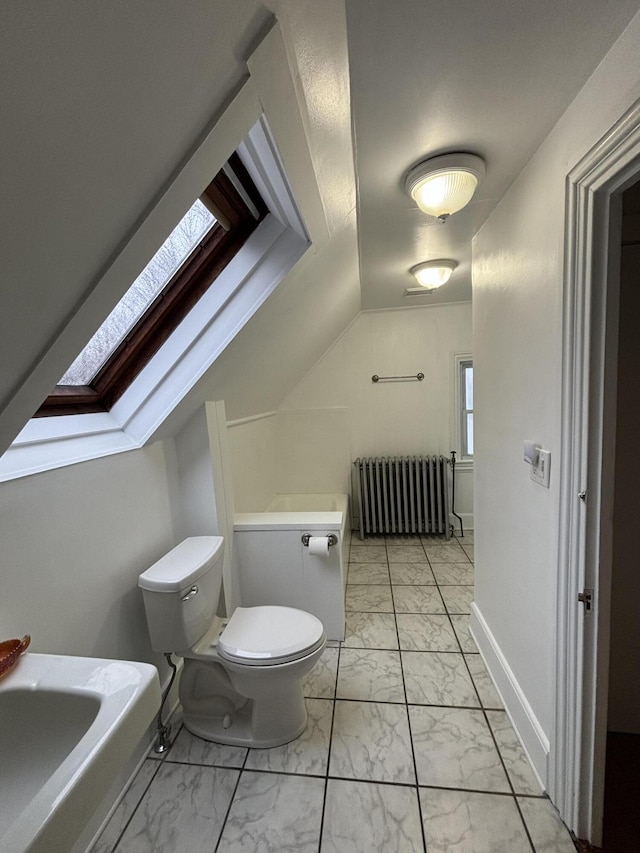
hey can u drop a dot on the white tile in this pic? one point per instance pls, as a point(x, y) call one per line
point(371, 741)
point(370, 675)
point(184, 809)
point(411, 573)
point(450, 553)
point(273, 813)
point(457, 599)
point(465, 822)
point(365, 817)
point(190, 749)
point(369, 598)
point(406, 554)
point(453, 573)
point(308, 753)
point(424, 632)
point(368, 573)
point(320, 683)
point(368, 554)
point(126, 807)
point(454, 749)
point(371, 631)
point(438, 678)
point(417, 599)
point(469, 551)
point(460, 624)
point(548, 833)
point(482, 680)
point(467, 539)
point(518, 768)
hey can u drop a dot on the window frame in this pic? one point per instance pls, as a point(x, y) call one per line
point(144, 411)
point(457, 409)
point(239, 209)
point(464, 363)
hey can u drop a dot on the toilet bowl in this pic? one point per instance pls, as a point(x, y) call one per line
point(242, 678)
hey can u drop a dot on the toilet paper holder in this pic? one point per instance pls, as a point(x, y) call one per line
point(332, 538)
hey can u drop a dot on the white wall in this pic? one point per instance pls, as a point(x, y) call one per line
point(74, 541)
point(337, 413)
point(517, 341)
point(313, 450)
point(253, 446)
point(297, 76)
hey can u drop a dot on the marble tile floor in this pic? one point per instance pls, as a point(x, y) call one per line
point(408, 748)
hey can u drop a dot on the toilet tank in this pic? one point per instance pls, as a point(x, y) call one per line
point(181, 593)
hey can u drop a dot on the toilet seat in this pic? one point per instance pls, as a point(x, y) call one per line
point(269, 635)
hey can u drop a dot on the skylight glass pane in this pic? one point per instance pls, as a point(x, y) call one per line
point(166, 261)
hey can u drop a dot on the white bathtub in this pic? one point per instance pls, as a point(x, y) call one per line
point(67, 728)
point(273, 566)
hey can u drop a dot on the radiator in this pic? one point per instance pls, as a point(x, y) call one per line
point(402, 494)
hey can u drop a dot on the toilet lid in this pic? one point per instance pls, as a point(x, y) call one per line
point(269, 635)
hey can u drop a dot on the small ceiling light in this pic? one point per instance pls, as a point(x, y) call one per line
point(443, 185)
point(432, 274)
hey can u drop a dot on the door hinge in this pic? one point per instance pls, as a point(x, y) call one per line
point(586, 597)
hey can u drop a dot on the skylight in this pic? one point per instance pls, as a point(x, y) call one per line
point(227, 278)
point(175, 250)
point(204, 241)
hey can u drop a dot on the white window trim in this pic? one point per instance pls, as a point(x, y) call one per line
point(240, 290)
point(457, 359)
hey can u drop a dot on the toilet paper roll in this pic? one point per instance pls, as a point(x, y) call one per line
point(319, 545)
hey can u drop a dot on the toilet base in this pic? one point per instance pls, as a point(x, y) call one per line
point(214, 710)
point(240, 732)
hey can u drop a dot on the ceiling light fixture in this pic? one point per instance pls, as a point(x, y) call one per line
point(432, 274)
point(443, 185)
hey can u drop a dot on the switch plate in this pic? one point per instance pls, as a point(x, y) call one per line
point(540, 473)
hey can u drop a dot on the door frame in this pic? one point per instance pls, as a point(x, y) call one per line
point(590, 318)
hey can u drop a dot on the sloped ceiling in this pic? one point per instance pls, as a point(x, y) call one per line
point(107, 100)
point(102, 103)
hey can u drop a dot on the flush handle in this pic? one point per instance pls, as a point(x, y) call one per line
point(193, 591)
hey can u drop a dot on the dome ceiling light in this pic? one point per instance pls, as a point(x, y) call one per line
point(443, 185)
point(432, 274)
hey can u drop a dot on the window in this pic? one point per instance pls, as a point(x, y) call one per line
point(466, 407)
point(254, 272)
point(210, 234)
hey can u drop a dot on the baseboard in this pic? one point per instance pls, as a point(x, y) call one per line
point(525, 722)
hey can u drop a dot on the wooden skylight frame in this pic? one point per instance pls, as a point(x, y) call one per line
point(238, 215)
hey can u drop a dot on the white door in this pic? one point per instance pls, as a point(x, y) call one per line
point(592, 249)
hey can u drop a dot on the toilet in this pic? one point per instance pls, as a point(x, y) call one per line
point(242, 677)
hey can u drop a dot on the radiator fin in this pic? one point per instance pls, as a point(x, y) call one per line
point(402, 494)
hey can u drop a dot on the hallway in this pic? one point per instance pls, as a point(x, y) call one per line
point(408, 747)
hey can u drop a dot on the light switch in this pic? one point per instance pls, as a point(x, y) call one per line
point(541, 471)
